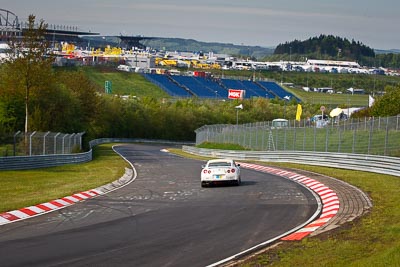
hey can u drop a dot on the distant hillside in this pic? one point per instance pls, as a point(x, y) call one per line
point(178, 44)
point(327, 47)
point(391, 51)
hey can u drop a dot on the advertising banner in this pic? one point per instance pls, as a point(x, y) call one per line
point(236, 94)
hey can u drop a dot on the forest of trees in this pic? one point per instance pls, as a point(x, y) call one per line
point(335, 48)
point(327, 47)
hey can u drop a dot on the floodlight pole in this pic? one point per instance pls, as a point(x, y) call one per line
point(237, 113)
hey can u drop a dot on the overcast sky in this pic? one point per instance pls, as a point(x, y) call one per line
point(249, 22)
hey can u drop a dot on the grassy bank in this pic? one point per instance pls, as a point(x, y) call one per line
point(124, 83)
point(24, 188)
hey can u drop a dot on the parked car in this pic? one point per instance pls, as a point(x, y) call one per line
point(320, 121)
point(220, 171)
point(341, 117)
point(280, 123)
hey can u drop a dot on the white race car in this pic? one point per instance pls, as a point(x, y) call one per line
point(220, 170)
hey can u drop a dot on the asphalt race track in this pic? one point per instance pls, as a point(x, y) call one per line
point(163, 218)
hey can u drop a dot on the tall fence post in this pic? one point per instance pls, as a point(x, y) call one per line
point(15, 141)
point(326, 138)
point(55, 143)
point(63, 143)
point(69, 143)
point(30, 143)
point(315, 138)
point(386, 137)
point(371, 127)
point(284, 139)
point(44, 143)
point(80, 140)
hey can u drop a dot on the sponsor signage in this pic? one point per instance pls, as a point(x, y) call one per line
point(108, 87)
point(236, 94)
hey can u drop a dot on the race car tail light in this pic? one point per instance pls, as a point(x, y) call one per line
point(206, 171)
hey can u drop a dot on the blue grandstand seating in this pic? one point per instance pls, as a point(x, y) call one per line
point(252, 89)
point(188, 86)
point(201, 87)
point(215, 86)
point(278, 90)
point(167, 85)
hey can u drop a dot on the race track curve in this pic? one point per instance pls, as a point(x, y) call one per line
point(163, 218)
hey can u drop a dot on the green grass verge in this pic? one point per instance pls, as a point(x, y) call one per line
point(225, 146)
point(330, 100)
point(373, 240)
point(125, 83)
point(24, 188)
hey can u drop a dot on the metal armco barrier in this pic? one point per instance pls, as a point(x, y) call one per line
point(369, 163)
point(44, 161)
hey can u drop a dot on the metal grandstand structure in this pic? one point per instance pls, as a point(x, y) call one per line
point(133, 41)
point(11, 26)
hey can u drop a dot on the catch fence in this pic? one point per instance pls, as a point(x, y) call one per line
point(40, 143)
point(375, 136)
